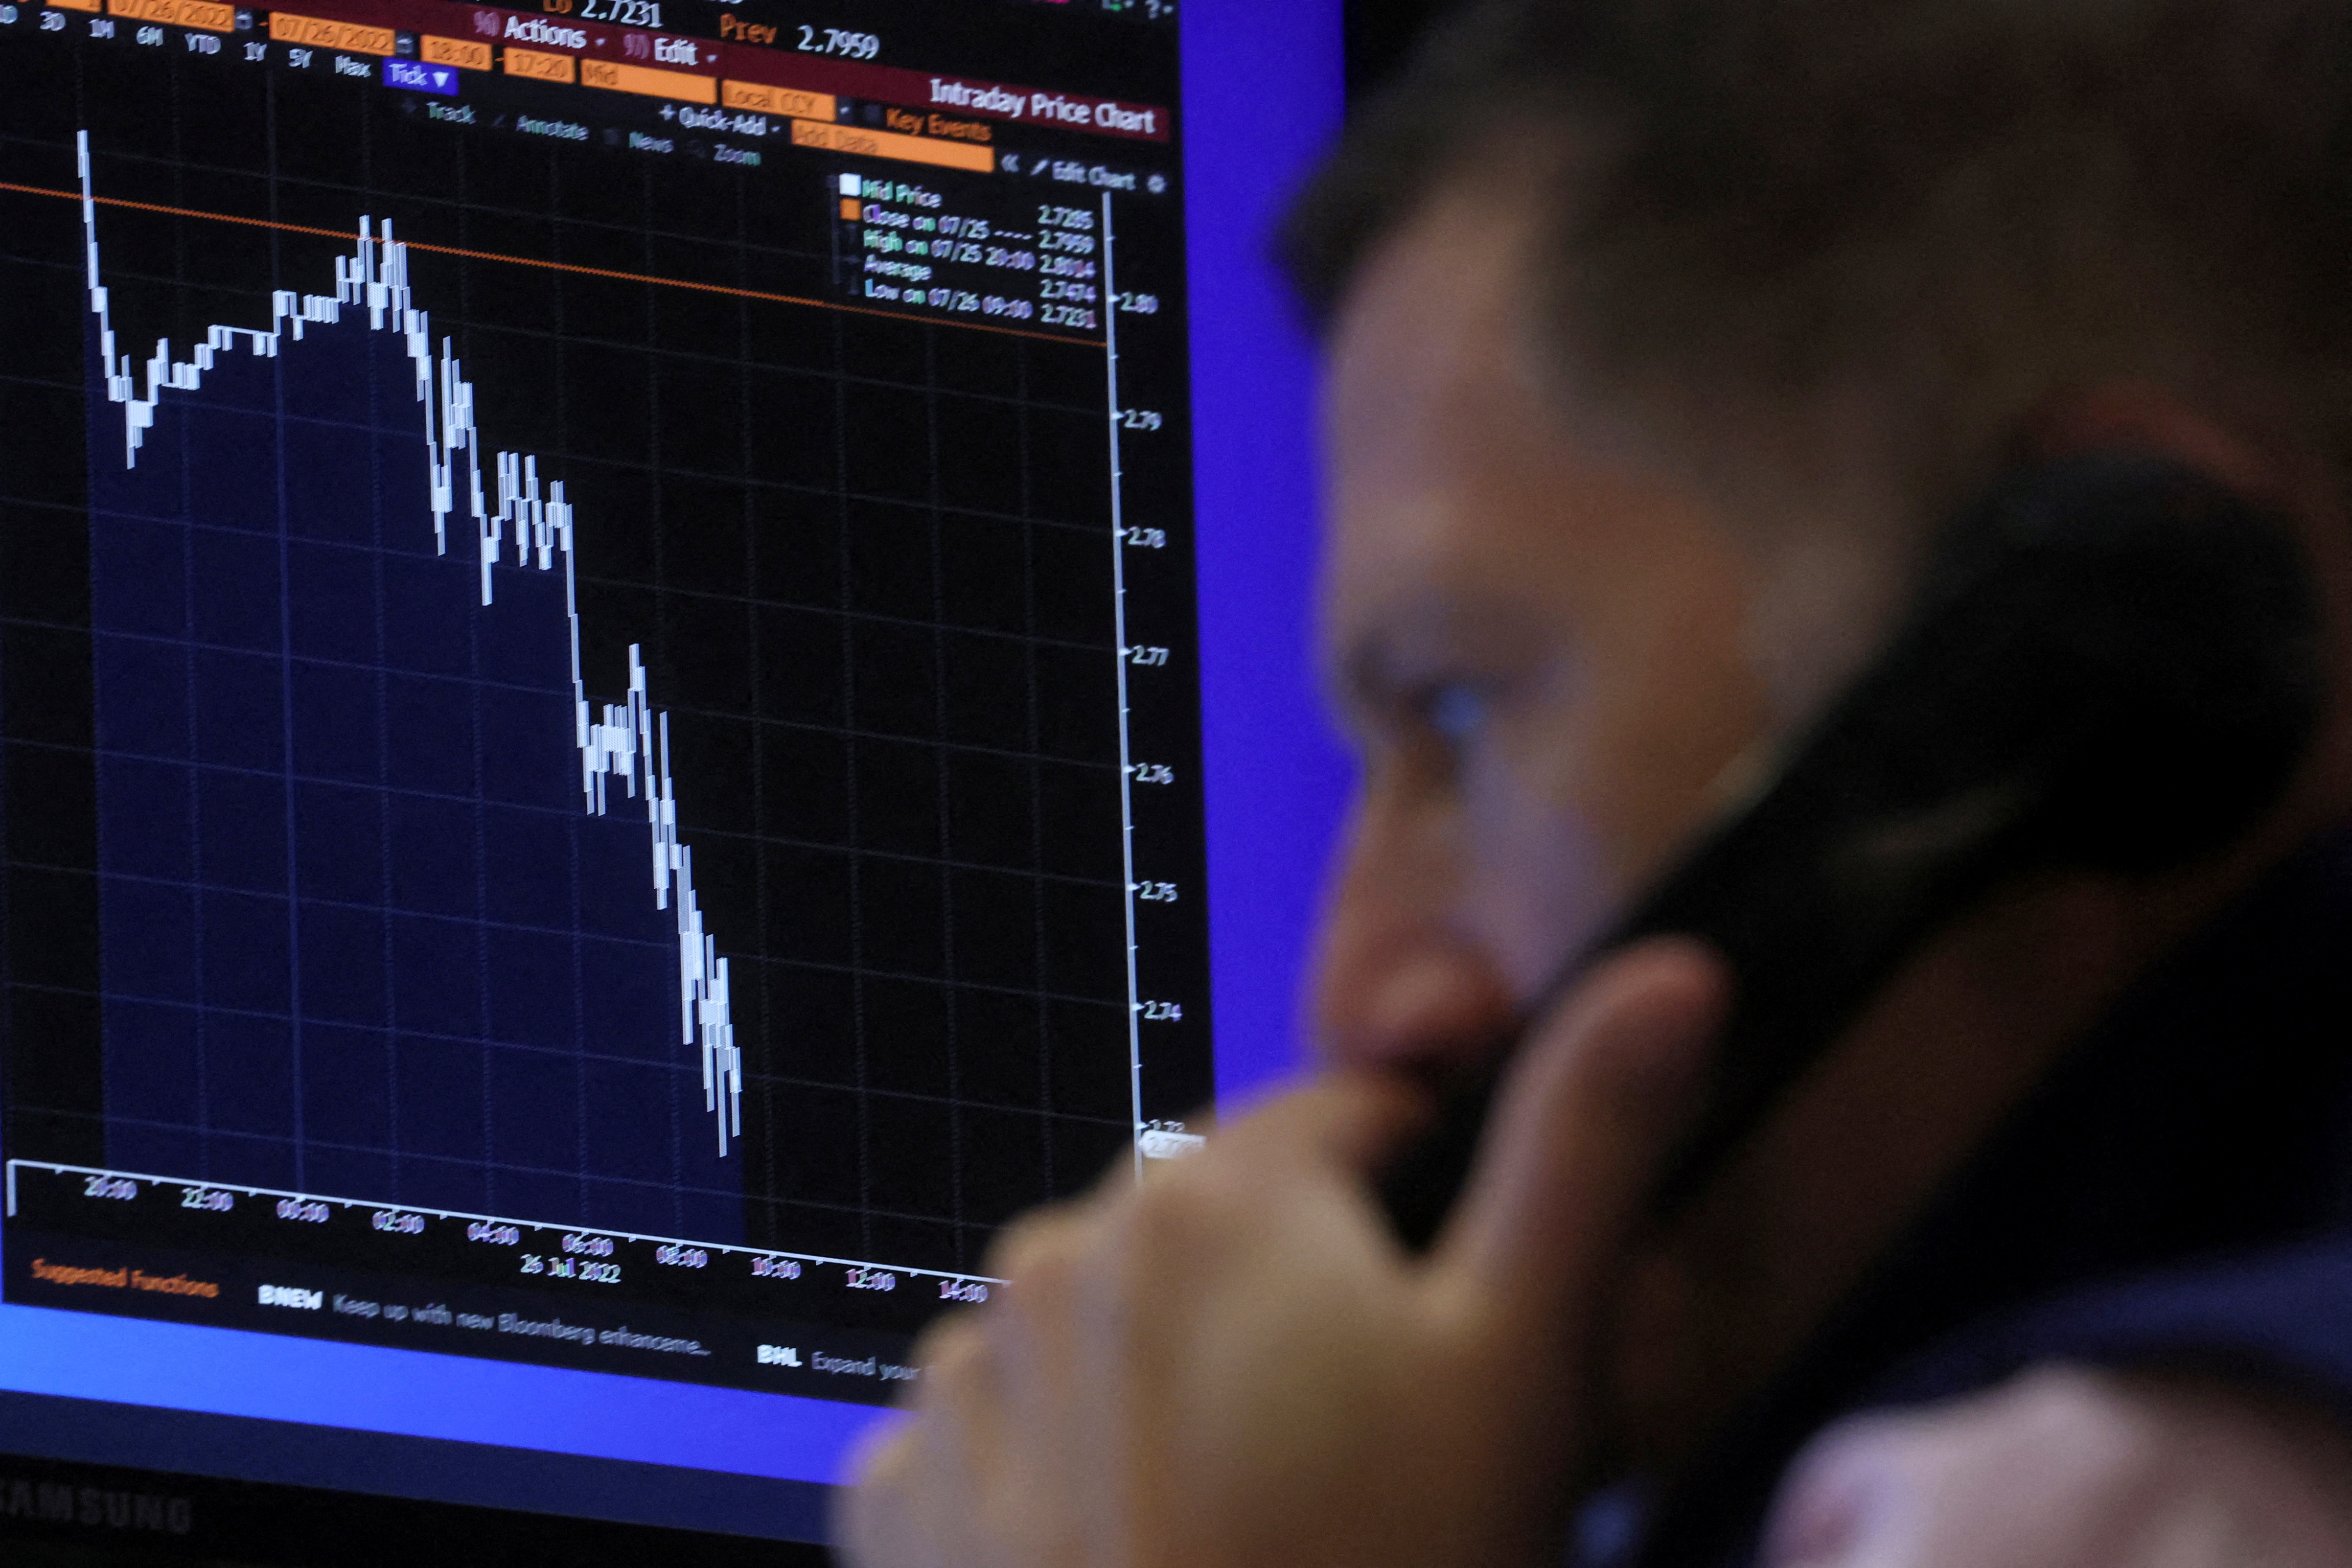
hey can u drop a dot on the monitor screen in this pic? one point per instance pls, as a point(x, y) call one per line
point(650, 673)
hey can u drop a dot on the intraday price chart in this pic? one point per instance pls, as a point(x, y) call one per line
point(599, 733)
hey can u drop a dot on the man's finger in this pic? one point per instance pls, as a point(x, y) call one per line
point(1353, 1121)
point(922, 1474)
point(889, 1518)
point(1583, 1118)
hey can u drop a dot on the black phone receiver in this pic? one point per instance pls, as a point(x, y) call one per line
point(2111, 663)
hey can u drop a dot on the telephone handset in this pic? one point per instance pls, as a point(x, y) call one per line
point(2111, 663)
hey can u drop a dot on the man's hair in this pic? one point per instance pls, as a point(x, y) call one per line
point(1966, 200)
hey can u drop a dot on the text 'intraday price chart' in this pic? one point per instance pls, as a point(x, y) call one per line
point(596, 665)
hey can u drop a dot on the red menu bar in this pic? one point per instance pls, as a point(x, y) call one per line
point(751, 62)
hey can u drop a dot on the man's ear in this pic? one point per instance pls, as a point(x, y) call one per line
point(2146, 417)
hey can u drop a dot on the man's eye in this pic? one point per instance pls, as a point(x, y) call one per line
point(1457, 710)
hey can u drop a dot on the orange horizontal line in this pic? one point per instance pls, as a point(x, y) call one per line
point(759, 294)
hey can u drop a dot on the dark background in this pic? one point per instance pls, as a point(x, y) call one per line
point(1380, 37)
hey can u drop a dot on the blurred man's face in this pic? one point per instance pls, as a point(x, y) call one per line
point(1555, 644)
point(1542, 638)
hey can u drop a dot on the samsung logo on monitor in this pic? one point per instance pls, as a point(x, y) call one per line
point(94, 1508)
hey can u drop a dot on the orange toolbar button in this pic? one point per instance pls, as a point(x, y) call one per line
point(463, 53)
point(91, 5)
point(204, 13)
point(683, 86)
point(538, 64)
point(316, 33)
point(891, 144)
point(790, 102)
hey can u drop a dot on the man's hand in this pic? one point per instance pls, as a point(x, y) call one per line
point(2067, 1469)
point(1235, 1365)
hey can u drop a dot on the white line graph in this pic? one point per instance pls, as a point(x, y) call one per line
point(628, 741)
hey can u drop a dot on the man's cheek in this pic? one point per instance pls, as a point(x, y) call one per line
point(1539, 889)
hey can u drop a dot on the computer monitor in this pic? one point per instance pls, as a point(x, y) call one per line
point(652, 668)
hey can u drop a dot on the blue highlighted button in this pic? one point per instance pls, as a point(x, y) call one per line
point(416, 77)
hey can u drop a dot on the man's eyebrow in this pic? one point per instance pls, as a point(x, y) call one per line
point(1402, 647)
point(1375, 666)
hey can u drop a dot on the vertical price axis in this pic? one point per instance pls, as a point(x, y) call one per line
point(1118, 612)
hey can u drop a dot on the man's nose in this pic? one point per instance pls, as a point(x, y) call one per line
point(1398, 987)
